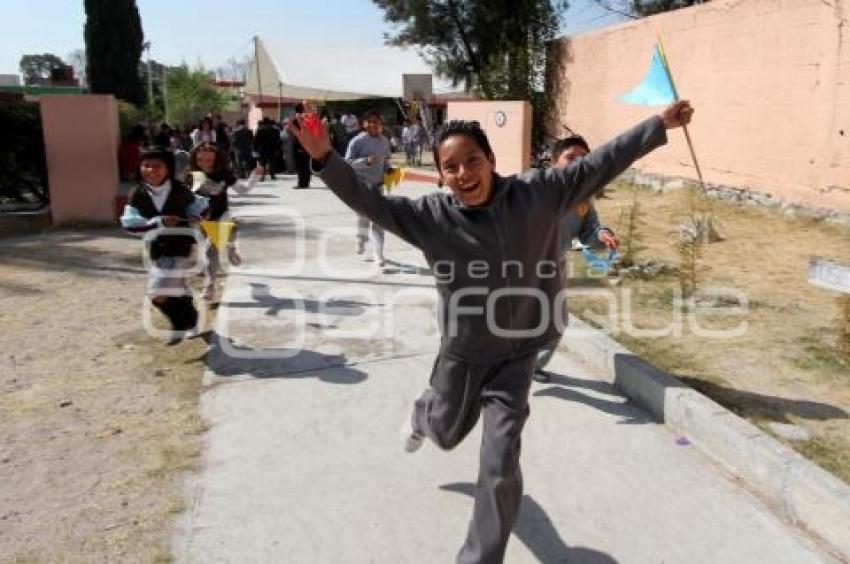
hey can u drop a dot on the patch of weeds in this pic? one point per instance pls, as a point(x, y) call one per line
point(822, 355)
point(631, 220)
point(163, 558)
point(660, 355)
point(827, 454)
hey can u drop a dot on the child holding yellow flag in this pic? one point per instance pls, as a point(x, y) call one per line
point(211, 177)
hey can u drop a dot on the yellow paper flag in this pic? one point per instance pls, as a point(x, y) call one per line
point(393, 178)
point(218, 232)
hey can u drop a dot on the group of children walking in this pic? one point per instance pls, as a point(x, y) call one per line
point(488, 351)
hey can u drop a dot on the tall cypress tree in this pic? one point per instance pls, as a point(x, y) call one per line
point(114, 40)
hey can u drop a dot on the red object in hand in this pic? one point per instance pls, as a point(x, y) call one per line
point(312, 123)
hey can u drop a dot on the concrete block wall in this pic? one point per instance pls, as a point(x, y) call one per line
point(769, 79)
point(81, 144)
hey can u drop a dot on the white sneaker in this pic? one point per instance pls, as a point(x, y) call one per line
point(411, 440)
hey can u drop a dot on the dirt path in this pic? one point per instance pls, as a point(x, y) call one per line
point(98, 421)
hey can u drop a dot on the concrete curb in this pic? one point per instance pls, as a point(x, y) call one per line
point(801, 492)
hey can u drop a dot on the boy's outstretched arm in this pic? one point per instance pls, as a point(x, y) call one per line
point(591, 173)
point(409, 219)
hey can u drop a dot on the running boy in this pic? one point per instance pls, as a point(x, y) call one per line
point(158, 201)
point(493, 244)
point(369, 155)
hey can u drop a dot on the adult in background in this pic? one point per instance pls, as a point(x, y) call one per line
point(351, 125)
point(419, 138)
point(222, 135)
point(338, 133)
point(243, 144)
point(267, 145)
point(163, 136)
point(204, 133)
point(130, 151)
point(302, 159)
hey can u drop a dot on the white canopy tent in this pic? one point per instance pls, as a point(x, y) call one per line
point(267, 83)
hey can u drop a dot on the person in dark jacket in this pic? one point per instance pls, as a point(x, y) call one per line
point(243, 143)
point(159, 202)
point(267, 145)
point(302, 159)
point(494, 245)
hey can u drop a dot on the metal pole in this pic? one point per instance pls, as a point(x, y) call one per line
point(150, 75)
point(279, 97)
point(165, 92)
point(259, 79)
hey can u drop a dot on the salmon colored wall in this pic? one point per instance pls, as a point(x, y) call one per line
point(81, 144)
point(511, 143)
point(769, 80)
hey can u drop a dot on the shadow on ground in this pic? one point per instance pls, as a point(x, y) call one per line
point(262, 298)
point(565, 389)
point(396, 267)
point(68, 251)
point(226, 358)
point(537, 532)
point(763, 407)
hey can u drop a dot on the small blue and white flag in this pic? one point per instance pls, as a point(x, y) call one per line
point(657, 87)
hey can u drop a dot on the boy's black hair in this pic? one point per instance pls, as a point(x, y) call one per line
point(471, 129)
point(370, 114)
point(299, 108)
point(562, 145)
point(159, 153)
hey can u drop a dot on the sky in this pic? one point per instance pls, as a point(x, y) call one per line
point(341, 39)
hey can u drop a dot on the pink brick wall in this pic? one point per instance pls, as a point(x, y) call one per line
point(769, 79)
point(81, 144)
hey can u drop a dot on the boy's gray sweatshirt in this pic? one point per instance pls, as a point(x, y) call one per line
point(496, 266)
point(364, 146)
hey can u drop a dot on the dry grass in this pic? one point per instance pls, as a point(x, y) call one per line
point(791, 365)
point(99, 479)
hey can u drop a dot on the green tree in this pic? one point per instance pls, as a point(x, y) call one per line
point(114, 38)
point(643, 8)
point(191, 94)
point(497, 48)
point(77, 60)
point(38, 68)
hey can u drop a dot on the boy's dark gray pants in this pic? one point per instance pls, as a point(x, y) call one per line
point(448, 411)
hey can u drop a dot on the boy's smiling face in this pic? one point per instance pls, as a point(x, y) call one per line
point(154, 171)
point(466, 169)
point(373, 125)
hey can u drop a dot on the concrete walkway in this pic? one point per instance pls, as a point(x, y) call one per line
point(303, 460)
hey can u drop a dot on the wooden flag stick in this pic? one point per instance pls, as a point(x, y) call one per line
point(684, 127)
point(694, 157)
